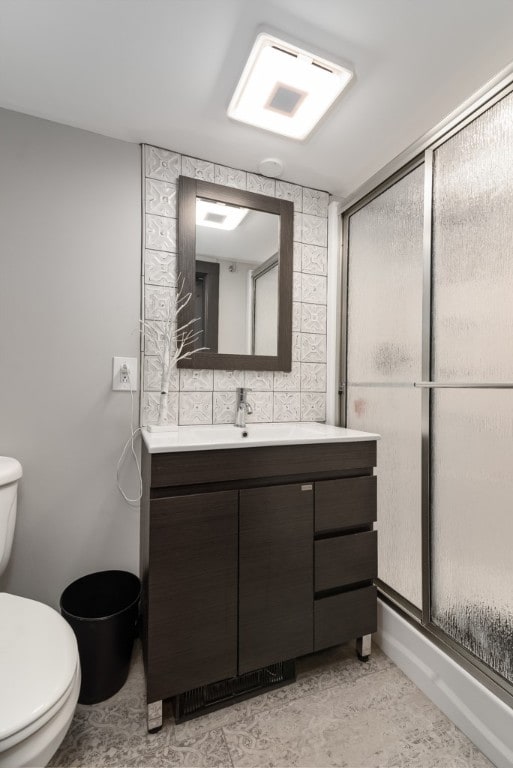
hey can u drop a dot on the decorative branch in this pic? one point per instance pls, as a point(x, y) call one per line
point(174, 343)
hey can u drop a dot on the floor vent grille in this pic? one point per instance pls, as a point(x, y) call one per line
point(198, 701)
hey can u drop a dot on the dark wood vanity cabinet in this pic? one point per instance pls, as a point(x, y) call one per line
point(192, 591)
point(275, 574)
point(265, 555)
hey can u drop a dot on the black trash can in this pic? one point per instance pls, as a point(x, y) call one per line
point(103, 609)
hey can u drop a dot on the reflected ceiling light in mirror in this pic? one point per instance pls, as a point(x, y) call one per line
point(218, 215)
point(285, 89)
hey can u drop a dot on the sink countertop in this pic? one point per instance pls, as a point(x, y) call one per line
point(223, 436)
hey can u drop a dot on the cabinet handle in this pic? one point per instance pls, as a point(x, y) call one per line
point(306, 487)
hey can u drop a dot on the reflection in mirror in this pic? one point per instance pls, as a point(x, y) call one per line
point(265, 308)
point(236, 271)
point(235, 258)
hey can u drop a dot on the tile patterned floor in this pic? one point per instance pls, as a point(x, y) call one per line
point(339, 712)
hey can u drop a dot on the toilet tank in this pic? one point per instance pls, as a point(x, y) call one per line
point(10, 473)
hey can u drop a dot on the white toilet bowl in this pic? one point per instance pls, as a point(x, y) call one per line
point(39, 662)
point(39, 681)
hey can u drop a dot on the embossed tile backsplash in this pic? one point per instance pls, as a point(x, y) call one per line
point(206, 397)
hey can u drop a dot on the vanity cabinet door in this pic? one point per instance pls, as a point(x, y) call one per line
point(192, 582)
point(275, 574)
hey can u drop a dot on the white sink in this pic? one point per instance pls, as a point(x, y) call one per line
point(221, 436)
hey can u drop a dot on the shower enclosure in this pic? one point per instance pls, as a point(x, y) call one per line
point(427, 361)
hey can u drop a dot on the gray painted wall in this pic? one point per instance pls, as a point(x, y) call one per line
point(69, 301)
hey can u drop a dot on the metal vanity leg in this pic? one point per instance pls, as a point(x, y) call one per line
point(363, 647)
point(154, 716)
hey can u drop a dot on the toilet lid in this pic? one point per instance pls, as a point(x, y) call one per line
point(38, 659)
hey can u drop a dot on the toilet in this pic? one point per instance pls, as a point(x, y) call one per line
point(39, 663)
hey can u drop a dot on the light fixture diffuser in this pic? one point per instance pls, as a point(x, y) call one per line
point(218, 215)
point(285, 89)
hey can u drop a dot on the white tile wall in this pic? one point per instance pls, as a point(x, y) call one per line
point(314, 230)
point(228, 381)
point(162, 164)
point(296, 315)
point(160, 267)
point(161, 198)
point(313, 348)
point(150, 347)
point(153, 376)
point(262, 406)
point(206, 397)
point(195, 408)
point(313, 377)
point(296, 346)
point(151, 402)
point(314, 259)
point(230, 177)
point(160, 233)
point(198, 169)
point(158, 302)
point(315, 202)
point(259, 381)
point(287, 406)
point(313, 289)
point(313, 318)
point(224, 407)
point(291, 192)
point(196, 380)
point(297, 286)
point(313, 406)
point(288, 382)
point(261, 184)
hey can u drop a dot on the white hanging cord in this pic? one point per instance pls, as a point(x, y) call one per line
point(130, 442)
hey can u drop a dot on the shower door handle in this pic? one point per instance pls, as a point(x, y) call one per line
point(463, 385)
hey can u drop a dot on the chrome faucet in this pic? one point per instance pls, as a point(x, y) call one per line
point(243, 407)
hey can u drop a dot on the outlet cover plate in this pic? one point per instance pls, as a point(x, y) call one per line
point(117, 381)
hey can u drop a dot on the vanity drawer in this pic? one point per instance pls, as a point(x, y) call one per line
point(340, 618)
point(246, 464)
point(345, 503)
point(344, 560)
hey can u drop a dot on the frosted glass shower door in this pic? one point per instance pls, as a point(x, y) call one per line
point(384, 354)
point(472, 422)
point(472, 521)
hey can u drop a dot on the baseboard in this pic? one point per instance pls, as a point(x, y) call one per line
point(484, 718)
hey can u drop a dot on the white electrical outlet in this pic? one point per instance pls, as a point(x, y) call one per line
point(124, 374)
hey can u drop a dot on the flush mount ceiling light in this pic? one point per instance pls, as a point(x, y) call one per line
point(218, 215)
point(271, 166)
point(285, 89)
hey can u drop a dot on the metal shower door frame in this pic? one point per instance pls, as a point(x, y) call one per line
point(422, 619)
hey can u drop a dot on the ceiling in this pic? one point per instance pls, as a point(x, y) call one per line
point(163, 72)
point(254, 240)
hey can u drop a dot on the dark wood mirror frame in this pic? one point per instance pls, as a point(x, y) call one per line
point(188, 191)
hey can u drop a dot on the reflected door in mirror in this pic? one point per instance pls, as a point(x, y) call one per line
point(206, 304)
point(265, 308)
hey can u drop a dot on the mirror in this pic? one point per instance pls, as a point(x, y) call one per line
point(237, 266)
point(235, 255)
